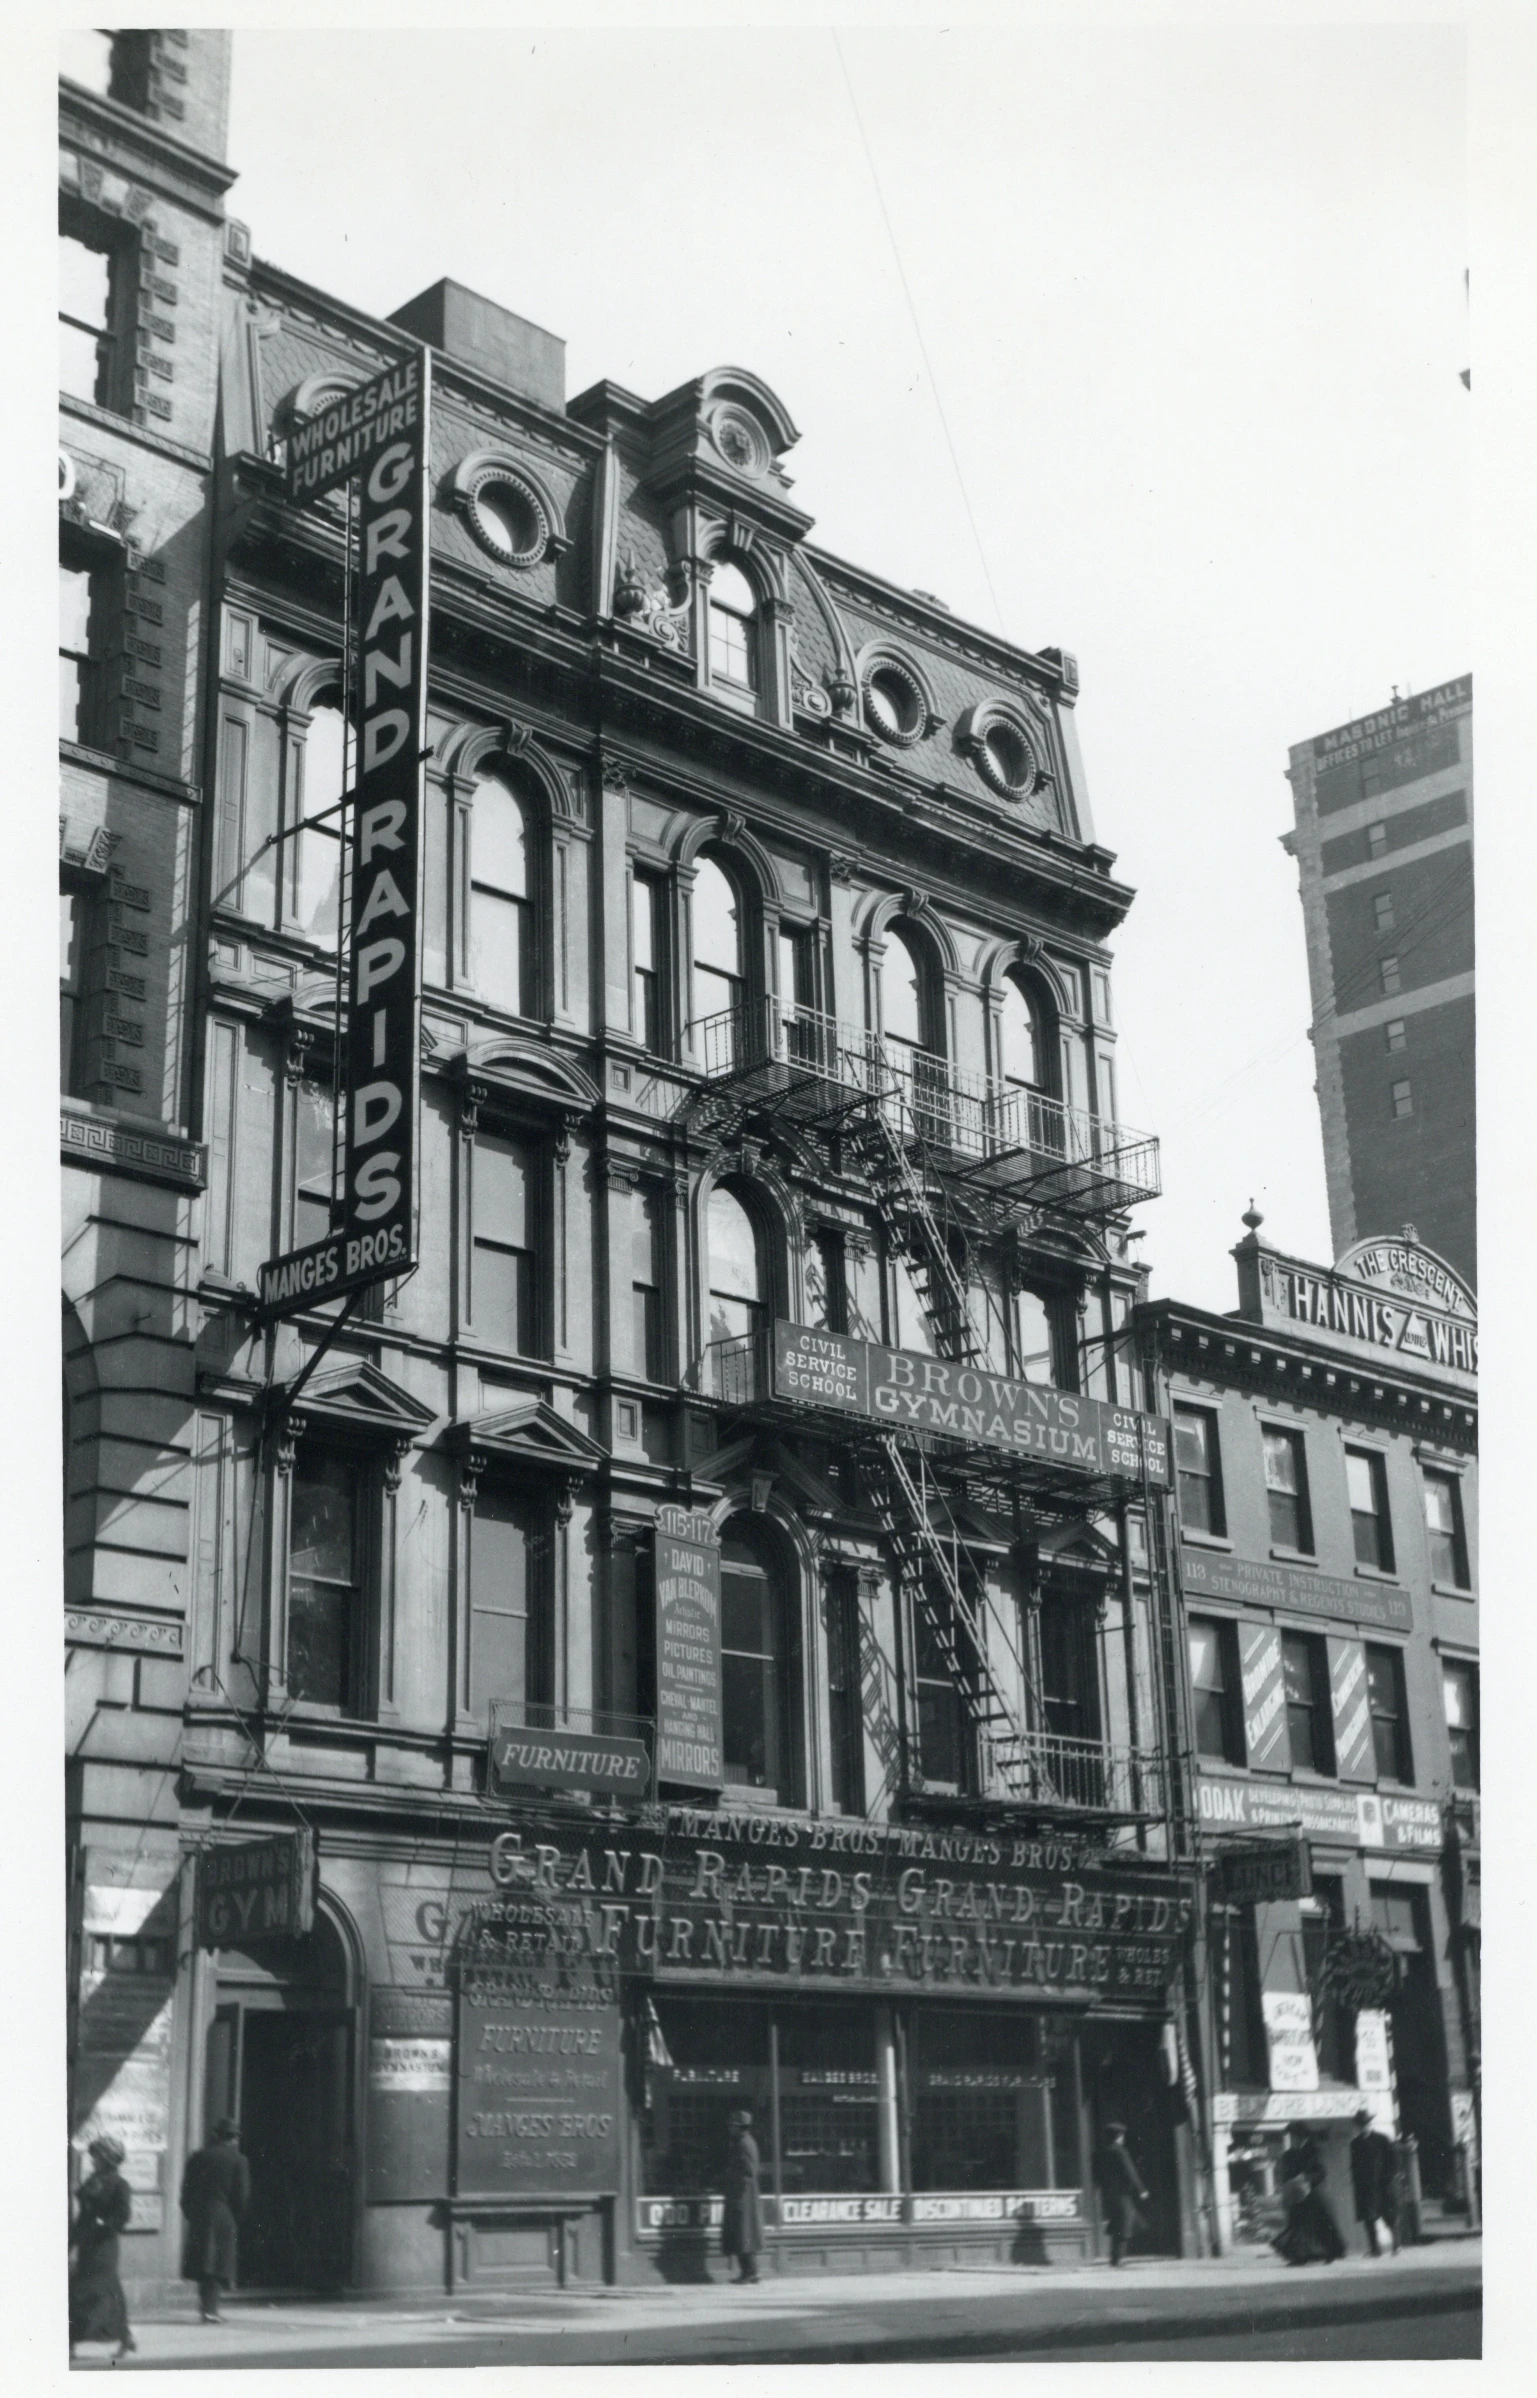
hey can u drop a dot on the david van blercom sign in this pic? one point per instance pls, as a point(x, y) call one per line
point(909, 1392)
point(688, 1671)
point(385, 441)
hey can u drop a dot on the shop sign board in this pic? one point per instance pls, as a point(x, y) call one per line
point(559, 1760)
point(813, 2212)
point(1284, 2106)
point(905, 1391)
point(721, 1899)
point(349, 432)
point(1289, 2036)
point(1206, 1574)
point(1348, 1818)
point(254, 1890)
point(1374, 2069)
point(688, 1667)
point(375, 1238)
point(539, 2094)
point(1259, 1876)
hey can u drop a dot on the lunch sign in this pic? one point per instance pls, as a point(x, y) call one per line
point(380, 434)
point(913, 1393)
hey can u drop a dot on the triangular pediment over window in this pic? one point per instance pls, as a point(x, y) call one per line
point(357, 1397)
point(529, 1434)
point(1070, 1550)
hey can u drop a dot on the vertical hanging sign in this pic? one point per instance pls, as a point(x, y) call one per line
point(379, 433)
point(688, 1668)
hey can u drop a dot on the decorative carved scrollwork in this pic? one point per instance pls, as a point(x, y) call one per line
point(654, 611)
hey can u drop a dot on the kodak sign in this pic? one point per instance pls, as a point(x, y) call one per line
point(376, 1236)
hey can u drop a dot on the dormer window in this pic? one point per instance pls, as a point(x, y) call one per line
point(733, 611)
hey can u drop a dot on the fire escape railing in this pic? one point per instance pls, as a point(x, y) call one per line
point(913, 1123)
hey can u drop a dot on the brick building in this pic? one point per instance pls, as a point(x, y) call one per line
point(764, 1407)
point(1325, 1438)
point(143, 242)
point(1384, 848)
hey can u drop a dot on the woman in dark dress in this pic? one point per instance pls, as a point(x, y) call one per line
point(1310, 2235)
point(741, 2229)
point(103, 2205)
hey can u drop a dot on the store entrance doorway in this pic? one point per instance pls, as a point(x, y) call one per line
point(282, 2060)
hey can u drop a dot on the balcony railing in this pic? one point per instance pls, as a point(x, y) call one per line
point(1053, 1769)
point(1003, 1135)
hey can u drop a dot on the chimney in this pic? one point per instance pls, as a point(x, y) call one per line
point(479, 334)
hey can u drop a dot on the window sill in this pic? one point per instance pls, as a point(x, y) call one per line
point(1205, 1540)
point(1454, 1590)
point(1296, 1557)
point(1376, 1573)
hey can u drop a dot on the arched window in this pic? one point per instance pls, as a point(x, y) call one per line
point(910, 1022)
point(1021, 1042)
point(1037, 1338)
point(720, 985)
point(317, 866)
point(502, 950)
point(757, 1661)
point(904, 1013)
point(733, 611)
point(738, 1301)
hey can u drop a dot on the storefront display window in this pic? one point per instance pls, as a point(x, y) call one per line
point(981, 2102)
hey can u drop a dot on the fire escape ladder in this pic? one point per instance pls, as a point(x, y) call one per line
point(964, 1629)
point(907, 1215)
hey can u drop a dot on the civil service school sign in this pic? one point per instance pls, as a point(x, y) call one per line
point(909, 1392)
point(384, 441)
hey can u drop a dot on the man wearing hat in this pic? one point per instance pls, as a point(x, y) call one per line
point(1374, 2179)
point(215, 2192)
point(1122, 2187)
point(103, 2205)
point(741, 2229)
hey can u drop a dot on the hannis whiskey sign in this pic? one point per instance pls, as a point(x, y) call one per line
point(1383, 1294)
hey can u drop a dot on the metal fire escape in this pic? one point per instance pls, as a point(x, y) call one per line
point(941, 1158)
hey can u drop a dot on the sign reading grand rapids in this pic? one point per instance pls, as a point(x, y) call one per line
point(719, 1898)
point(908, 1392)
point(376, 1239)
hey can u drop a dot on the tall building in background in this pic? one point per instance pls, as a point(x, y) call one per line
point(1384, 847)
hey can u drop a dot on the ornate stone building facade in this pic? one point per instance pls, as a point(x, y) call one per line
point(765, 1405)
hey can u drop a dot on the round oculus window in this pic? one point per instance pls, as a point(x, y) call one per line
point(738, 440)
point(507, 519)
point(894, 705)
point(1006, 759)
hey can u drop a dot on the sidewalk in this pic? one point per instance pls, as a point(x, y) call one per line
point(957, 2312)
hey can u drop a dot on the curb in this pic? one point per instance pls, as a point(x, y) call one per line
point(1310, 2317)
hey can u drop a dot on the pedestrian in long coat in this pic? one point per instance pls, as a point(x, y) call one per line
point(103, 2208)
point(1122, 2188)
point(741, 2229)
point(215, 2192)
point(1310, 2235)
point(1374, 2180)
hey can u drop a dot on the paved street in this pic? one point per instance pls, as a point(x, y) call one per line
point(1426, 2303)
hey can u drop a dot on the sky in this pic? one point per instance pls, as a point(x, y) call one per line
point(1146, 343)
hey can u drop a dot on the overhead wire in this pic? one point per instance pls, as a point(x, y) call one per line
point(923, 347)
